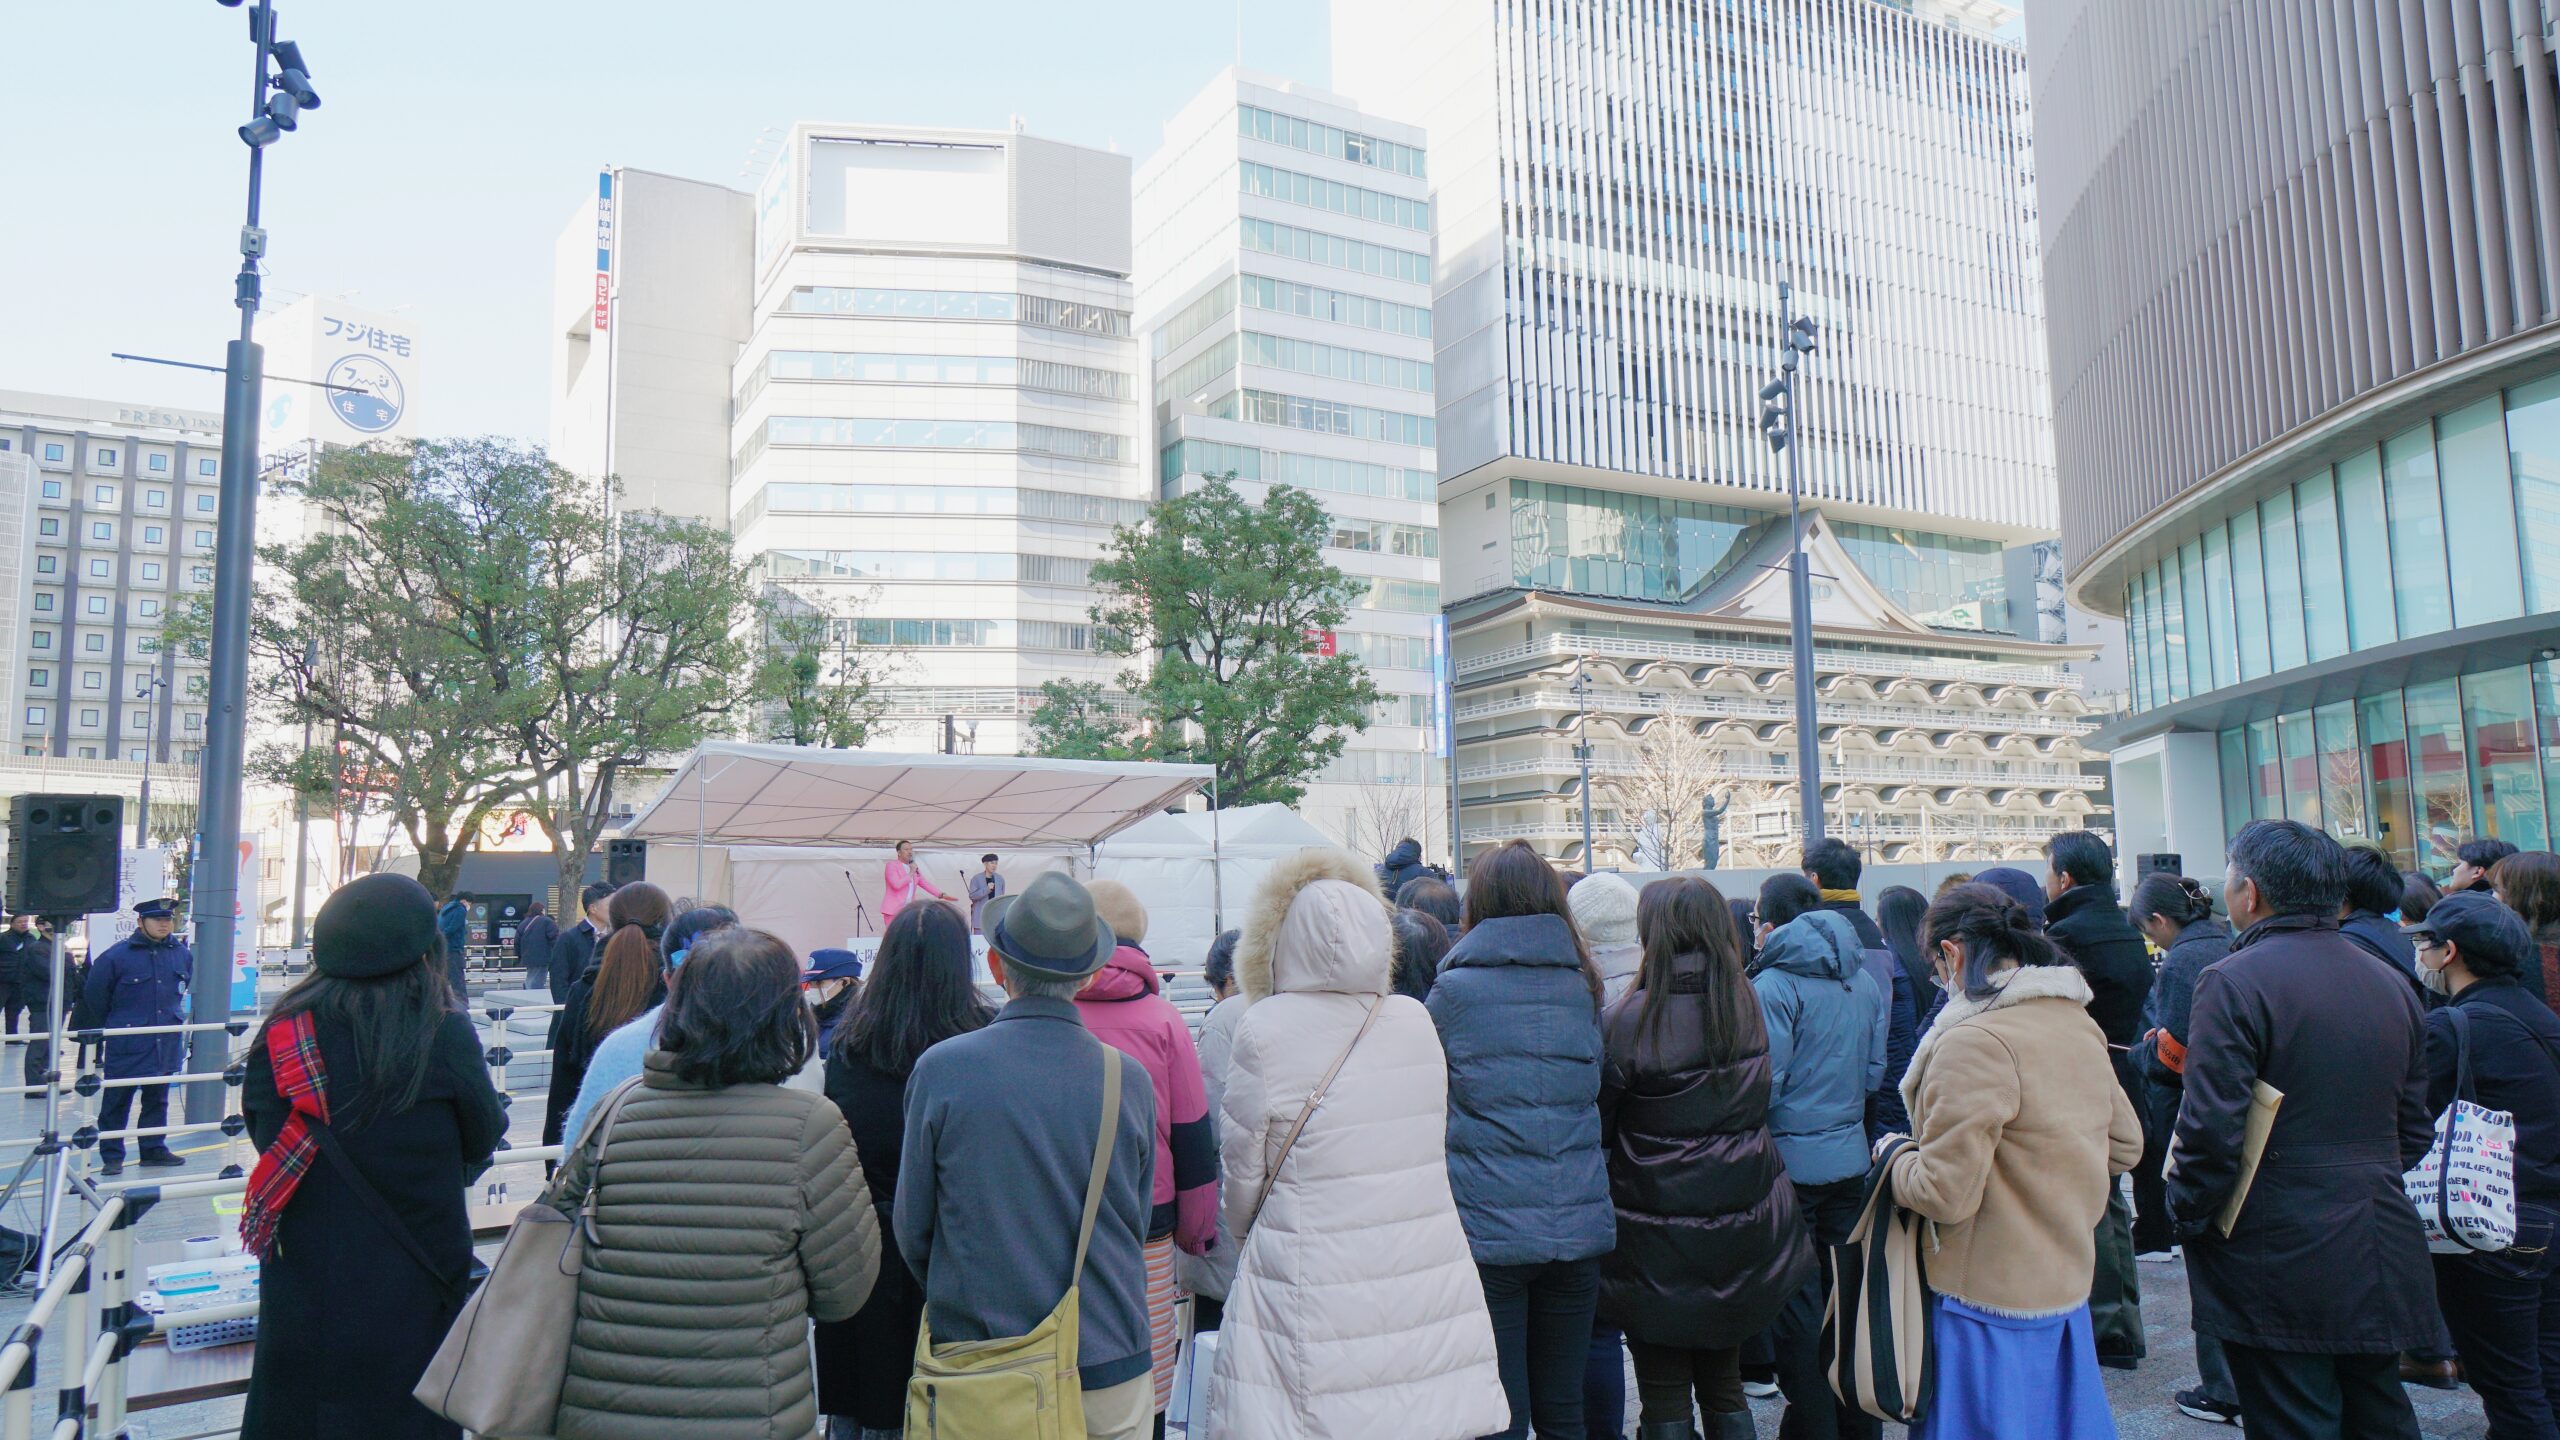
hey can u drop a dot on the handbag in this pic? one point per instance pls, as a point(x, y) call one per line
point(1017, 1387)
point(2465, 1188)
point(501, 1366)
point(1314, 1098)
point(1876, 1342)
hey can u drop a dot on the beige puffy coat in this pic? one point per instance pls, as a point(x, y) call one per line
point(1356, 1310)
point(726, 1220)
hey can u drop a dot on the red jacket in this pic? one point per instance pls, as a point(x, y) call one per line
point(1122, 1007)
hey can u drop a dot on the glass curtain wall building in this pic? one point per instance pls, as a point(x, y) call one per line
point(1285, 301)
point(2313, 456)
point(1619, 189)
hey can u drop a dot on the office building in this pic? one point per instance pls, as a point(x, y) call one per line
point(2304, 273)
point(916, 345)
point(1619, 192)
point(1285, 294)
point(118, 532)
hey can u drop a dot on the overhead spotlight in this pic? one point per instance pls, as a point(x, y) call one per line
point(288, 56)
point(282, 109)
point(1771, 391)
point(261, 132)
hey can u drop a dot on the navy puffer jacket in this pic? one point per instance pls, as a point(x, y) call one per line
point(1522, 1034)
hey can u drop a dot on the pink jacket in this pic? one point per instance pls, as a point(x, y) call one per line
point(899, 884)
point(1121, 1006)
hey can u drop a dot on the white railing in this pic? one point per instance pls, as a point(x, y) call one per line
point(1617, 703)
point(1957, 829)
point(1776, 657)
point(1783, 768)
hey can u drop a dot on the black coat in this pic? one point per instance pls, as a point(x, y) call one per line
point(2515, 1067)
point(2171, 1009)
point(1885, 1112)
point(573, 1044)
point(863, 1363)
point(347, 1319)
point(1403, 863)
point(2113, 957)
point(534, 941)
point(2327, 1257)
point(26, 962)
point(1709, 1242)
point(573, 958)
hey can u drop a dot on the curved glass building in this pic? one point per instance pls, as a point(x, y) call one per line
point(2302, 274)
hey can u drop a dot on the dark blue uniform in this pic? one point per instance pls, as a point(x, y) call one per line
point(138, 981)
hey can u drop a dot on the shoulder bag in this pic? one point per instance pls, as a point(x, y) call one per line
point(1876, 1343)
point(2465, 1188)
point(501, 1366)
point(1017, 1387)
point(1314, 1098)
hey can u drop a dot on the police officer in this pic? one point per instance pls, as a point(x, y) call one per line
point(141, 980)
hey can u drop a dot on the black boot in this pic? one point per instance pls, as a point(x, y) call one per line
point(1667, 1430)
point(1732, 1425)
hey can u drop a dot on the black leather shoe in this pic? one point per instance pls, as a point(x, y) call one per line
point(162, 1160)
point(111, 1167)
point(2119, 1362)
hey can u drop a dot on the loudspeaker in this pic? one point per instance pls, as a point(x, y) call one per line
point(63, 854)
point(2146, 865)
point(625, 861)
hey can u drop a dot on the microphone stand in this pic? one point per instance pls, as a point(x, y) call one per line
point(861, 917)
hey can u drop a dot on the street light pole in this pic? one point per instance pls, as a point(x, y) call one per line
point(214, 886)
point(1582, 746)
point(1782, 419)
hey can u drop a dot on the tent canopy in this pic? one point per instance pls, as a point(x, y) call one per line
point(733, 793)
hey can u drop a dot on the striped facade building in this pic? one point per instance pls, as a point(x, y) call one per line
point(1619, 191)
point(2303, 280)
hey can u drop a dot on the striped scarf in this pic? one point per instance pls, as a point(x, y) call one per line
point(293, 1049)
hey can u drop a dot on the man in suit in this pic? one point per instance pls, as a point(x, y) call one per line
point(534, 939)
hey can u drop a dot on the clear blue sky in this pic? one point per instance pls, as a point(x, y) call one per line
point(454, 140)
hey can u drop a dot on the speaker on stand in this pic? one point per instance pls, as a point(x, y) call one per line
point(626, 862)
point(64, 854)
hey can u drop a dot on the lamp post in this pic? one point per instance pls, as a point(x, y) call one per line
point(277, 97)
point(1582, 746)
point(151, 689)
point(1780, 420)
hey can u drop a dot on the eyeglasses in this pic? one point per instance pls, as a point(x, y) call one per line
point(2429, 942)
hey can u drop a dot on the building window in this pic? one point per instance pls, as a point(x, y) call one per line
point(203, 574)
point(150, 569)
point(107, 458)
point(204, 539)
point(47, 564)
point(194, 721)
point(152, 534)
point(35, 716)
point(204, 504)
point(205, 467)
point(134, 754)
point(92, 680)
point(98, 568)
point(147, 644)
point(53, 453)
point(44, 602)
point(53, 489)
point(102, 494)
point(160, 464)
point(88, 716)
point(95, 644)
point(39, 677)
point(102, 530)
point(150, 608)
point(44, 639)
point(88, 752)
point(156, 499)
point(49, 525)
point(97, 604)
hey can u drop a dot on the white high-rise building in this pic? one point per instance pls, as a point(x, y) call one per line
point(1620, 191)
point(912, 349)
point(1285, 291)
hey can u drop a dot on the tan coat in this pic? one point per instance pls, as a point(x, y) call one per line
point(2022, 1128)
point(726, 1219)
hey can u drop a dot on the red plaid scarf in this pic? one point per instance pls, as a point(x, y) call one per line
point(293, 1049)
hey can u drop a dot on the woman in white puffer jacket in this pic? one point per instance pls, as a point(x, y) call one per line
point(1356, 1310)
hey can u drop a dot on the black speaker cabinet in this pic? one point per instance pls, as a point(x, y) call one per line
point(63, 853)
point(625, 861)
point(2146, 865)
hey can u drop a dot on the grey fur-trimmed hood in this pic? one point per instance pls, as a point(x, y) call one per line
point(1278, 891)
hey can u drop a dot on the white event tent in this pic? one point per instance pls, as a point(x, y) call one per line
point(1197, 871)
point(794, 837)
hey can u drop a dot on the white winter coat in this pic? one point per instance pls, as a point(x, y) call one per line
point(1356, 1309)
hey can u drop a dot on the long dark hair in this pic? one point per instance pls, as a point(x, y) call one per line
point(629, 975)
point(917, 994)
point(1898, 912)
point(394, 1019)
point(2529, 883)
point(1685, 916)
point(2174, 898)
point(1512, 880)
point(1421, 942)
point(735, 1015)
point(1989, 928)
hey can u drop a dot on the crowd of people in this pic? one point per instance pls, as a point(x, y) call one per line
point(1442, 1163)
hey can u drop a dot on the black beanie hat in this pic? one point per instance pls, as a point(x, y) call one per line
point(379, 925)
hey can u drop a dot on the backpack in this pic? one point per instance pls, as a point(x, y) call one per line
point(1022, 1387)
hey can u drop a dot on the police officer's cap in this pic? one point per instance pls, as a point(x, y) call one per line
point(160, 909)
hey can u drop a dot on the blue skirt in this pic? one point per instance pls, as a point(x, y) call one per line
point(2003, 1378)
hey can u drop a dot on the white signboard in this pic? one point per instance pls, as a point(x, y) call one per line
point(141, 874)
point(247, 907)
point(337, 375)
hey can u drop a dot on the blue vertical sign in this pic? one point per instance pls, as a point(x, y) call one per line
point(1444, 714)
point(604, 249)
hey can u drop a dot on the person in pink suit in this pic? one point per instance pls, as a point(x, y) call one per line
point(899, 882)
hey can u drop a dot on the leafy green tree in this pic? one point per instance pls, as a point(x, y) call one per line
point(1217, 602)
point(819, 684)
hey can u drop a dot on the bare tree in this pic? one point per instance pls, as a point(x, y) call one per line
point(1384, 814)
point(1661, 789)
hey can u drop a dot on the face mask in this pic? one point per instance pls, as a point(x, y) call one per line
point(2432, 977)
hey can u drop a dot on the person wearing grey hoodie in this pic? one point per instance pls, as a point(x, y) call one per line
point(1827, 1024)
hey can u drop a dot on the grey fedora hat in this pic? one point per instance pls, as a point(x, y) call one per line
point(1050, 927)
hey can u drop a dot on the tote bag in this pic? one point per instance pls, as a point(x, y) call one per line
point(501, 1366)
point(1875, 1327)
point(2465, 1188)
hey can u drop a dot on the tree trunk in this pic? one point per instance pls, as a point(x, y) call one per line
point(439, 870)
